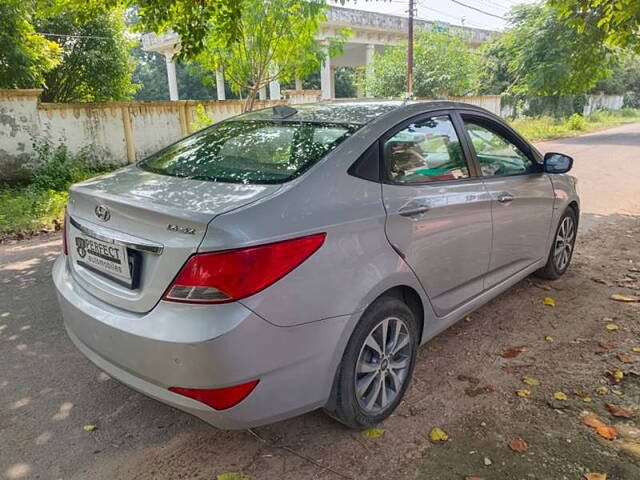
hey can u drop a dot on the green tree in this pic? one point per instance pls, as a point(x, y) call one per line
point(275, 39)
point(443, 63)
point(25, 56)
point(616, 22)
point(540, 55)
point(96, 65)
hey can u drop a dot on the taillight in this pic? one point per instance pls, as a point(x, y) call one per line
point(218, 398)
point(65, 249)
point(234, 274)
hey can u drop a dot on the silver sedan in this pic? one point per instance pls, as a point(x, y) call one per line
point(290, 259)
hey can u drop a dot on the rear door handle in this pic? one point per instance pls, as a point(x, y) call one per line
point(414, 208)
point(505, 197)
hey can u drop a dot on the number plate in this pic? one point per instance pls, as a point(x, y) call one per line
point(105, 258)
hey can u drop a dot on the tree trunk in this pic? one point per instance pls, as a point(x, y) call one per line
point(251, 99)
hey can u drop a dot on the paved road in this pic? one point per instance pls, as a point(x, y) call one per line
point(48, 391)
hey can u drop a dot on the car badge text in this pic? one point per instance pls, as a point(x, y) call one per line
point(181, 229)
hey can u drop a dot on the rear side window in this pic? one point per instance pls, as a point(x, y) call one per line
point(425, 151)
point(249, 151)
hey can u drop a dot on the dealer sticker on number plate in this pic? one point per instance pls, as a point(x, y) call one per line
point(105, 257)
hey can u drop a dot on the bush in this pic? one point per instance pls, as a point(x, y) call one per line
point(58, 168)
point(576, 122)
point(40, 205)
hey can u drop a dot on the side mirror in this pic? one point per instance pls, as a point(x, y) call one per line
point(557, 162)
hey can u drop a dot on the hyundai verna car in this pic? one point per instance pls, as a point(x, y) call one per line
point(295, 258)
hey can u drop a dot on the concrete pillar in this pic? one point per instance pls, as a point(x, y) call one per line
point(298, 84)
point(274, 90)
point(325, 78)
point(262, 93)
point(171, 76)
point(371, 50)
point(220, 84)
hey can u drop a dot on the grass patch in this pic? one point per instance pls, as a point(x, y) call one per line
point(39, 205)
point(542, 128)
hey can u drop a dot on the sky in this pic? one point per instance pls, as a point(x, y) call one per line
point(443, 10)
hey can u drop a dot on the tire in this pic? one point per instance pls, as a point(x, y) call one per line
point(362, 365)
point(562, 247)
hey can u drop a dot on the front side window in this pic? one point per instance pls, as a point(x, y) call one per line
point(249, 151)
point(497, 155)
point(425, 151)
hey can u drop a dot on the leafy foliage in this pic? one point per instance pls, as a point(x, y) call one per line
point(25, 56)
point(443, 63)
point(95, 65)
point(616, 22)
point(541, 55)
point(274, 39)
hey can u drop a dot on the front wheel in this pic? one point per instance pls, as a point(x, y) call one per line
point(377, 364)
point(562, 247)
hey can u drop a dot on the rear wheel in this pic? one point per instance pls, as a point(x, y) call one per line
point(377, 364)
point(562, 247)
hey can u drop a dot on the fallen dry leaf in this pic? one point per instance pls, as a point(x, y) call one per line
point(618, 411)
point(513, 352)
point(549, 301)
point(373, 432)
point(595, 476)
point(434, 348)
point(624, 358)
point(438, 435)
point(616, 376)
point(467, 318)
point(530, 381)
point(602, 390)
point(473, 477)
point(604, 430)
point(473, 392)
point(611, 327)
point(590, 420)
point(89, 428)
point(518, 445)
point(232, 476)
point(636, 349)
point(618, 297)
point(586, 399)
point(548, 338)
point(560, 396)
point(523, 393)
point(608, 345)
point(607, 432)
point(615, 391)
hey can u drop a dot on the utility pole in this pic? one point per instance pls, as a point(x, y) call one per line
point(410, 52)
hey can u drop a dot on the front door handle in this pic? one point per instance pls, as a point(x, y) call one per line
point(414, 208)
point(505, 197)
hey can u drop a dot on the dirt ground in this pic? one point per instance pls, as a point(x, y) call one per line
point(462, 384)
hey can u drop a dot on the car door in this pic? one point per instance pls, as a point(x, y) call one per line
point(522, 196)
point(438, 209)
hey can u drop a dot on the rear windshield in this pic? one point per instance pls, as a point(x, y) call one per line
point(249, 151)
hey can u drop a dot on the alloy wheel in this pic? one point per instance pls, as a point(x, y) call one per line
point(383, 365)
point(563, 245)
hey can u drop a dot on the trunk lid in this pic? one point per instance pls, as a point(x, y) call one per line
point(156, 221)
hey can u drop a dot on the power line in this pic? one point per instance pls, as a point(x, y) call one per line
point(71, 36)
point(478, 10)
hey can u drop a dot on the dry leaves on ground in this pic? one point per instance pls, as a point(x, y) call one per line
point(373, 432)
point(530, 381)
point(604, 430)
point(607, 345)
point(549, 301)
point(595, 476)
point(611, 327)
point(560, 396)
point(437, 435)
point(513, 352)
point(518, 445)
point(523, 392)
point(618, 297)
point(618, 411)
point(624, 358)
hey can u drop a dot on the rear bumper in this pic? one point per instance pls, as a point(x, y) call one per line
point(206, 347)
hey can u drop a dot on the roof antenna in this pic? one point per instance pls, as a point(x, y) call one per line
point(283, 111)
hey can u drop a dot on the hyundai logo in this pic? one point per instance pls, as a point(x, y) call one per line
point(103, 213)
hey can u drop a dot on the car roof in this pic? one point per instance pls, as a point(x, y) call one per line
point(355, 113)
